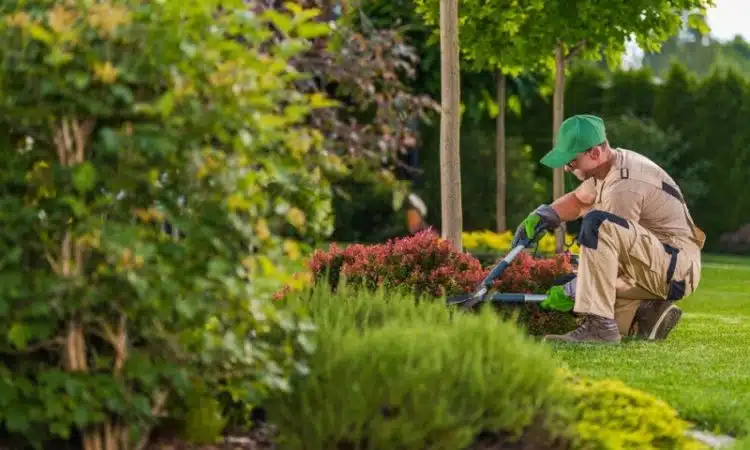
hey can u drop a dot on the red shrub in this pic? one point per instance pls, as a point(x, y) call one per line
point(533, 276)
point(427, 264)
point(424, 263)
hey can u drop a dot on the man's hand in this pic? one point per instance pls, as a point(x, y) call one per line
point(544, 215)
point(557, 300)
point(561, 298)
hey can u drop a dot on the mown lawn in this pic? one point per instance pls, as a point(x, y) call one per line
point(703, 369)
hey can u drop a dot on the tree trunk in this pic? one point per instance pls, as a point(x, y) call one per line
point(450, 125)
point(558, 180)
point(500, 183)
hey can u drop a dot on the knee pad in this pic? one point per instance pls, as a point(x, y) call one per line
point(592, 222)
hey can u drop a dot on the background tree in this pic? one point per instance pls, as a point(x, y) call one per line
point(490, 41)
point(450, 124)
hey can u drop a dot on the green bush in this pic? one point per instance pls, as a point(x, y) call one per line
point(393, 373)
point(118, 118)
point(611, 415)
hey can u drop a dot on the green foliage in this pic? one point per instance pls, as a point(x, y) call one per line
point(525, 190)
point(717, 129)
point(121, 118)
point(585, 89)
point(204, 420)
point(393, 373)
point(603, 32)
point(700, 52)
point(612, 415)
point(369, 209)
point(674, 103)
point(492, 33)
point(631, 92)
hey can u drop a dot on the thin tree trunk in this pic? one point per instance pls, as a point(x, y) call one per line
point(450, 125)
point(501, 181)
point(558, 180)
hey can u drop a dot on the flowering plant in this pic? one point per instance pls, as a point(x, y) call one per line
point(428, 264)
point(425, 263)
point(492, 242)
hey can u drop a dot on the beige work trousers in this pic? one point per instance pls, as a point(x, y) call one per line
point(622, 263)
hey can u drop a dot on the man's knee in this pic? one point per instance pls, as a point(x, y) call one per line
point(592, 223)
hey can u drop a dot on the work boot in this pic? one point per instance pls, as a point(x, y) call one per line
point(655, 319)
point(594, 329)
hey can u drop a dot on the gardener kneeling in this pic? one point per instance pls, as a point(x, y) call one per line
point(640, 249)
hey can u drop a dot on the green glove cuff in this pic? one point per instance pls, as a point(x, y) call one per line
point(544, 214)
point(557, 300)
point(530, 223)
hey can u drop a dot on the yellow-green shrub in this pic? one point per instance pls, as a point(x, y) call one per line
point(608, 414)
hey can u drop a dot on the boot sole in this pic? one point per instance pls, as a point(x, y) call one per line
point(585, 341)
point(666, 323)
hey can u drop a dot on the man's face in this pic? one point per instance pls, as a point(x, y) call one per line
point(584, 164)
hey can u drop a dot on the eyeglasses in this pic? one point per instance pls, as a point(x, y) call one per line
point(571, 164)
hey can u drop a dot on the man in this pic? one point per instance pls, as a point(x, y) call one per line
point(640, 249)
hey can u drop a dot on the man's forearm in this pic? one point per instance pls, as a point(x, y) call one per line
point(569, 207)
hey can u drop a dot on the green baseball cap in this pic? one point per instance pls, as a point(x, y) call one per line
point(576, 135)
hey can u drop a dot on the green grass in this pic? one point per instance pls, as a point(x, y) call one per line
point(703, 368)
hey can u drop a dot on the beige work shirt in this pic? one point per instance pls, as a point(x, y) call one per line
point(652, 207)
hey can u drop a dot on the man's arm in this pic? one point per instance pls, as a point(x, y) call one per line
point(571, 206)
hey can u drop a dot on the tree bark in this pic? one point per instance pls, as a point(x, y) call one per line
point(500, 164)
point(450, 125)
point(558, 180)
